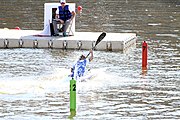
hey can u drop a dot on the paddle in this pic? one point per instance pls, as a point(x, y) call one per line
point(98, 41)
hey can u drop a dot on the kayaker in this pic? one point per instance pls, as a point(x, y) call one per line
point(79, 68)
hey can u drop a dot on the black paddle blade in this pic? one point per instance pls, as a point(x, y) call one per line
point(100, 38)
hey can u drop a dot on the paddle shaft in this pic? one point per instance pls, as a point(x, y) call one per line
point(98, 41)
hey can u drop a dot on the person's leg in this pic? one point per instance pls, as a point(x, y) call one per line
point(55, 26)
point(65, 26)
point(55, 22)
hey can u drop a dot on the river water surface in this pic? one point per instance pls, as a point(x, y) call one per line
point(32, 84)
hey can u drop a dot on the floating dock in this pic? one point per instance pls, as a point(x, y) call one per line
point(10, 38)
point(13, 38)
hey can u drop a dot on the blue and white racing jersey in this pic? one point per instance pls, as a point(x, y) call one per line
point(79, 68)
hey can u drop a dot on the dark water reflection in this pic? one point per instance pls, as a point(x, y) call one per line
point(127, 94)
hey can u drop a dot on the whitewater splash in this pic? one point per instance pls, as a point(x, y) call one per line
point(59, 81)
point(56, 82)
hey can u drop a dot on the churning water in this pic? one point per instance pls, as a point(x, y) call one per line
point(32, 81)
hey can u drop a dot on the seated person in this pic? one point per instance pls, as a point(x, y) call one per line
point(64, 15)
point(79, 68)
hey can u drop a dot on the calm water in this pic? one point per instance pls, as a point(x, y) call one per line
point(32, 84)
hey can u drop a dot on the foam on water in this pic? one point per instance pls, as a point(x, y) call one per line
point(59, 82)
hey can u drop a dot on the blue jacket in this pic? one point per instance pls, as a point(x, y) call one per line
point(79, 68)
point(64, 14)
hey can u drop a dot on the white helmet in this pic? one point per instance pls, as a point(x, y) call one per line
point(62, 1)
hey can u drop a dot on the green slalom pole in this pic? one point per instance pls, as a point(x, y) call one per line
point(73, 97)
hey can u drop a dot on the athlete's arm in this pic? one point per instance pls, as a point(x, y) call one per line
point(91, 55)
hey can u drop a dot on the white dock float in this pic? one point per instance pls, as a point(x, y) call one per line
point(80, 40)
